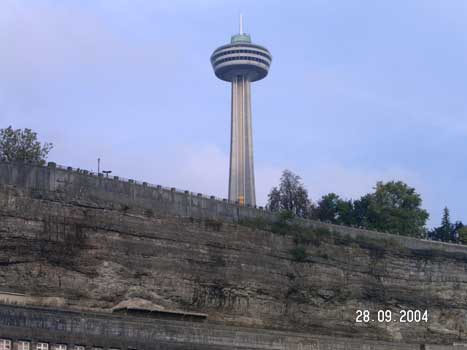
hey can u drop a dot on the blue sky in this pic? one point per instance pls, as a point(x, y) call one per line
point(359, 91)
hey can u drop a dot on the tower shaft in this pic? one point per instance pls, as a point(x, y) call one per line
point(242, 177)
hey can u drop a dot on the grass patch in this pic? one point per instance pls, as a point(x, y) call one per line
point(302, 235)
point(313, 236)
point(285, 224)
point(258, 223)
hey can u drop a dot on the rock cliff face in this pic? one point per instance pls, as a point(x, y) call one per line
point(94, 256)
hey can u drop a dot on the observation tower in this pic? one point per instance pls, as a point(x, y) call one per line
point(240, 63)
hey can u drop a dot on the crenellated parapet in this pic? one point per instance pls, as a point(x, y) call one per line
point(83, 184)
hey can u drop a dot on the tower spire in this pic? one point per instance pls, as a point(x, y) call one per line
point(241, 24)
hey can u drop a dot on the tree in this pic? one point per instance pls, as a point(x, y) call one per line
point(346, 213)
point(458, 226)
point(446, 228)
point(331, 208)
point(327, 208)
point(462, 233)
point(360, 211)
point(291, 195)
point(22, 145)
point(395, 207)
point(447, 231)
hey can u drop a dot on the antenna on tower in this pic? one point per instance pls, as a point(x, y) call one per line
point(241, 24)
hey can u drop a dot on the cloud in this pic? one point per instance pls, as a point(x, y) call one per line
point(48, 41)
point(353, 182)
point(66, 60)
point(200, 168)
point(382, 96)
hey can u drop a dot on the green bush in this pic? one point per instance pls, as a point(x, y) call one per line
point(309, 235)
point(283, 224)
point(257, 223)
point(299, 253)
point(303, 235)
point(285, 216)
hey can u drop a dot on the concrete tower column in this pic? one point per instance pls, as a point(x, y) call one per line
point(242, 175)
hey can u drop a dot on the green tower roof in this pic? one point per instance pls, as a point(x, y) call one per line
point(240, 38)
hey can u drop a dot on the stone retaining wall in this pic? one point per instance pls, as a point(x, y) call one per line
point(85, 186)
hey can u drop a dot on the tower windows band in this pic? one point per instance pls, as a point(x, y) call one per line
point(228, 52)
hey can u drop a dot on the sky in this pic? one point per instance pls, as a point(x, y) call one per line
point(359, 91)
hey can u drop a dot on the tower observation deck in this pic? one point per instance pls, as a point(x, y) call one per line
point(241, 62)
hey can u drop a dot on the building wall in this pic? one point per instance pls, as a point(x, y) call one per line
point(107, 331)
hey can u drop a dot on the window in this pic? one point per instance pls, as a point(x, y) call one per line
point(5, 344)
point(23, 345)
point(59, 347)
point(79, 347)
point(242, 58)
point(42, 346)
point(255, 52)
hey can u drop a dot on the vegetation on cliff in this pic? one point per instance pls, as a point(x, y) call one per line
point(448, 231)
point(393, 207)
point(304, 236)
point(22, 145)
point(290, 196)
